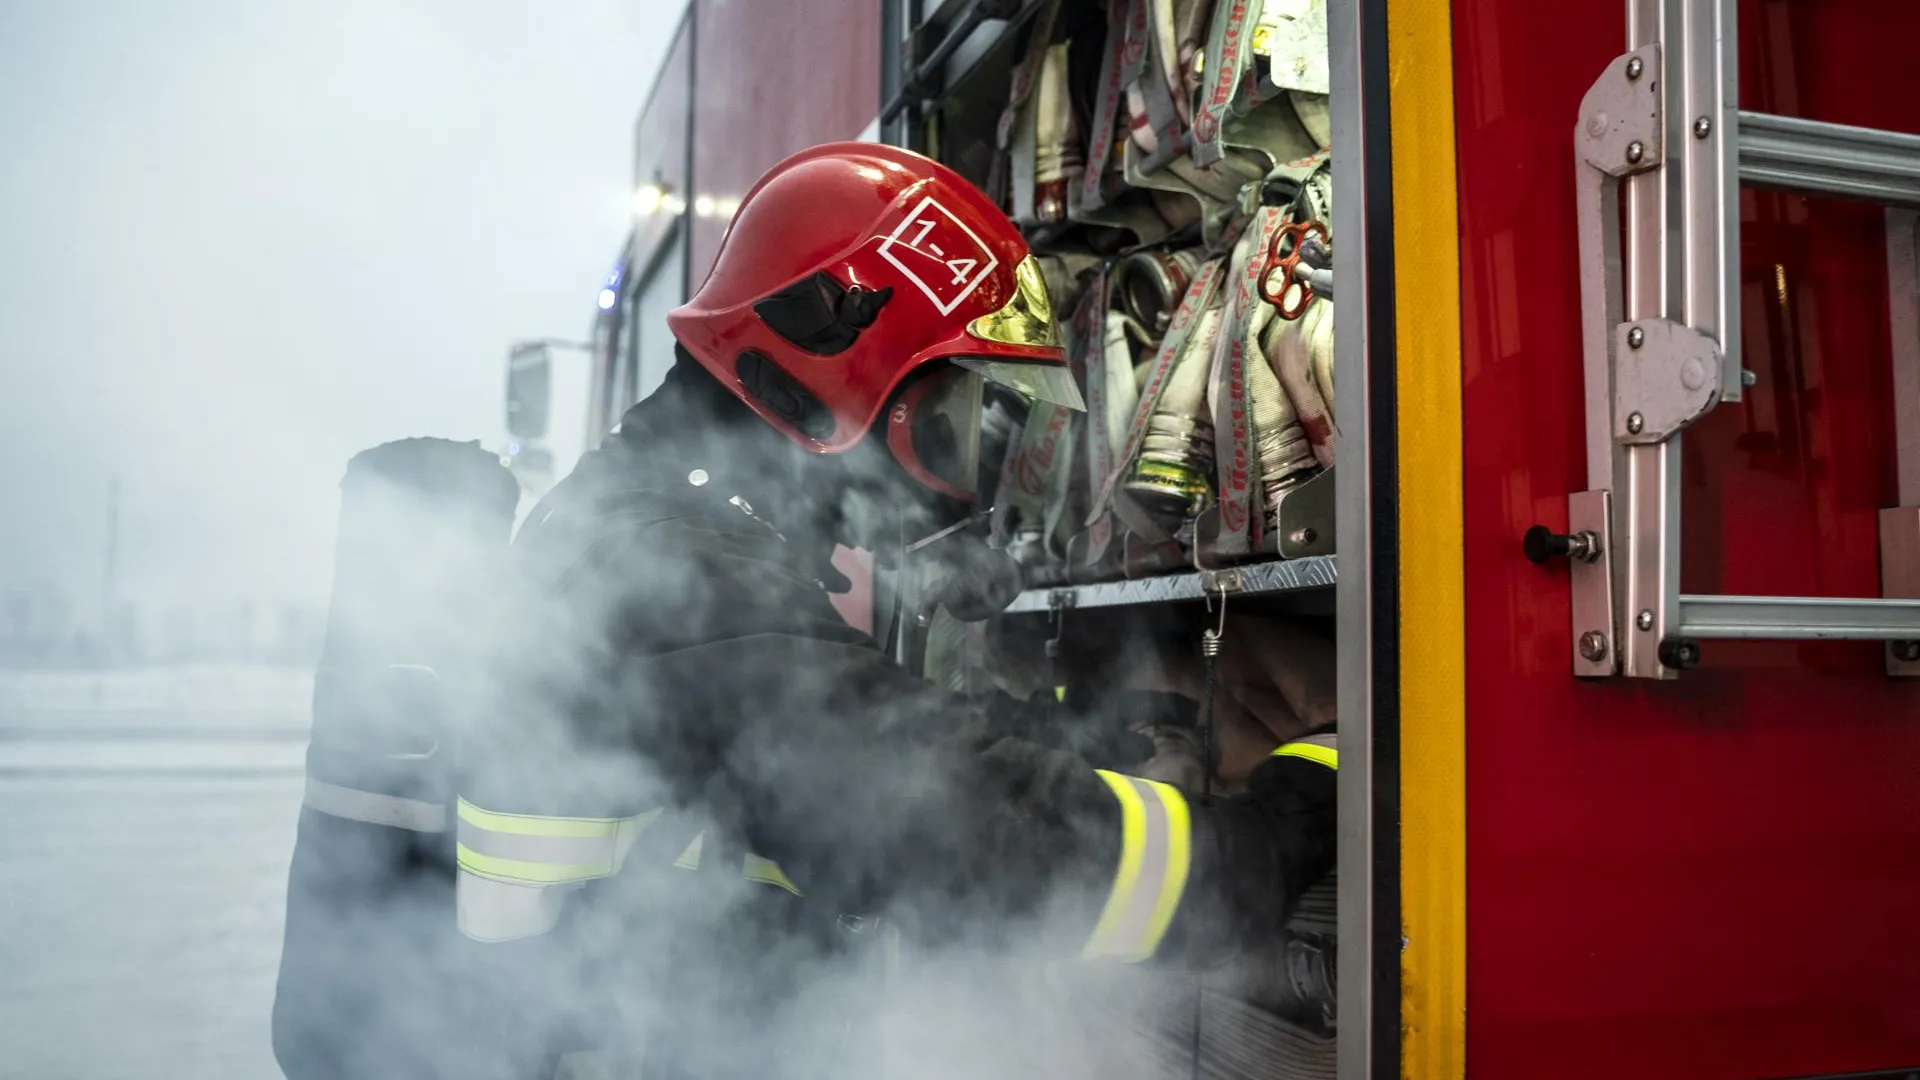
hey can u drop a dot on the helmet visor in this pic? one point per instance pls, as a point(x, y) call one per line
point(1036, 381)
point(934, 431)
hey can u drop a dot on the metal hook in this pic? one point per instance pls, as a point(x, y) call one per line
point(1210, 638)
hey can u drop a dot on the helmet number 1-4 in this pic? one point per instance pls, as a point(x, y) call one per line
point(936, 251)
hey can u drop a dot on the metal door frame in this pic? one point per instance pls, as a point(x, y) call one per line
point(1401, 608)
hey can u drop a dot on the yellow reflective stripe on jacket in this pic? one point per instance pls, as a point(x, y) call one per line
point(690, 858)
point(752, 867)
point(539, 850)
point(1320, 749)
point(766, 872)
point(1156, 850)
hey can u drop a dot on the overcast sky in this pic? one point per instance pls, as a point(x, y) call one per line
point(242, 239)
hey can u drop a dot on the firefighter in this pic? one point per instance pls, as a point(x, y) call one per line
point(690, 782)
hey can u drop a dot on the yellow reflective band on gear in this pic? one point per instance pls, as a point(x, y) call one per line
point(690, 858)
point(542, 825)
point(766, 872)
point(532, 873)
point(1156, 850)
point(537, 850)
point(1319, 749)
point(752, 867)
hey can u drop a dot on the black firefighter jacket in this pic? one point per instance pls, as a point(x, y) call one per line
point(690, 782)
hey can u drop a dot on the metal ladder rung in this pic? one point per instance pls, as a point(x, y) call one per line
point(1829, 159)
point(1798, 618)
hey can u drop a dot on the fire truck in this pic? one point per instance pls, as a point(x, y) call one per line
point(1625, 792)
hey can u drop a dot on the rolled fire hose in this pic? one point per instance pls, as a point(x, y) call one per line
point(1237, 530)
point(1014, 134)
point(1220, 76)
point(1285, 455)
point(1114, 497)
point(1088, 335)
point(1120, 382)
point(1156, 101)
point(1101, 197)
point(1320, 356)
point(1261, 451)
point(1191, 19)
point(1046, 155)
point(1299, 351)
point(1057, 152)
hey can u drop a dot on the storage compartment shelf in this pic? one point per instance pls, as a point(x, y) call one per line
point(1254, 579)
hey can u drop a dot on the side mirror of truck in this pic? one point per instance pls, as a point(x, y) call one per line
point(529, 388)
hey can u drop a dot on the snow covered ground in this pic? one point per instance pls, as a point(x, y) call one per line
point(150, 819)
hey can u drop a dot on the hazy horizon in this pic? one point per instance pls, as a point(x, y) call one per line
point(240, 242)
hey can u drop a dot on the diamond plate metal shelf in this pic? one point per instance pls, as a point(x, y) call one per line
point(1256, 579)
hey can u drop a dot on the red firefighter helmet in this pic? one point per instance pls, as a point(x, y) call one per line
point(853, 269)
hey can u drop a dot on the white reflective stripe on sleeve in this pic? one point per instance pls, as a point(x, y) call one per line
point(492, 910)
point(374, 808)
point(1156, 849)
point(1320, 749)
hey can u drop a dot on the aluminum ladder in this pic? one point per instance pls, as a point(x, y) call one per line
point(1660, 338)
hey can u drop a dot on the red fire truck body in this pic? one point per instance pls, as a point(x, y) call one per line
point(1714, 876)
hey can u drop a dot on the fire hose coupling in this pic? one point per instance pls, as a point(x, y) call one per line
point(1149, 285)
point(1171, 476)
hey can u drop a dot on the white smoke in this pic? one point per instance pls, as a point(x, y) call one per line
point(223, 319)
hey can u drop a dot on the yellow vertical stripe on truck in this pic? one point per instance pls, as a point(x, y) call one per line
point(1426, 254)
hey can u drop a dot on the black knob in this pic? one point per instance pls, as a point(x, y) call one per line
point(1542, 543)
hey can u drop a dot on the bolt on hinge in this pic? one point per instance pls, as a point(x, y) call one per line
point(1593, 646)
